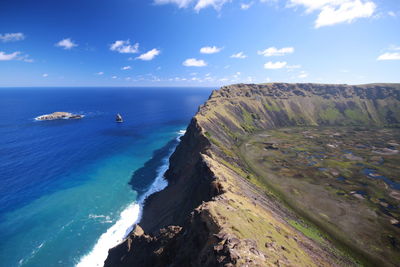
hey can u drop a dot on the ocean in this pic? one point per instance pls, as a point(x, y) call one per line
point(71, 189)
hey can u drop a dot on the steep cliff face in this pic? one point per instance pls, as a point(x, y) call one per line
point(212, 213)
point(190, 183)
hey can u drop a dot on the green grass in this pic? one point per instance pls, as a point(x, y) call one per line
point(248, 124)
point(330, 114)
point(226, 151)
point(308, 231)
point(236, 169)
point(356, 115)
point(271, 107)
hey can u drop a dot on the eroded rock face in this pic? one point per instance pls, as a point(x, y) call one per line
point(171, 246)
point(201, 242)
point(190, 183)
point(211, 214)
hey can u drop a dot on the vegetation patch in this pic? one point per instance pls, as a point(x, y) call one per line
point(308, 231)
point(356, 115)
point(271, 106)
point(330, 114)
point(248, 124)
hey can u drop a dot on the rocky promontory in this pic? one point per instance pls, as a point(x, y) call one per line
point(216, 211)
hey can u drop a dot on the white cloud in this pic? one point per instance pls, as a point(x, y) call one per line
point(198, 4)
point(179, 3)
point(179, 79)
point(389, 56)
point(210, 49)
point(303, 75)
point(114, 77)
point(7, 57)
point(208, 77)
point(149, 55)
point(240, 55)
point(392, 14)
point(45, 75)
point(196, 79)
point(312, 5)
point(273, 51)
point(244, 6)
point(100, 73)
point(12, 37)
point(347, 12)
point(192, 62)
point(126, 68)
point(275, 65)
point(66, 43)
point(124, 47)
point(236, 75)
point(216, 4)
point(15, 56)
point(270, 1)
point(336, 11)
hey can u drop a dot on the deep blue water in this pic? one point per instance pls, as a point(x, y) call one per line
point(64, 183)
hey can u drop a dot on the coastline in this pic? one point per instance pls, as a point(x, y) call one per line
point(75, 175)
point(129, 217)
point(214, 212)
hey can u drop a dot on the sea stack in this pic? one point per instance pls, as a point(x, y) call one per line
point(118, 118)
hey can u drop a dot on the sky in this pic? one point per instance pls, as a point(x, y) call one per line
point(78, 43)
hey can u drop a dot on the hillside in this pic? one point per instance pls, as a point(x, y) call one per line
point(223, 207)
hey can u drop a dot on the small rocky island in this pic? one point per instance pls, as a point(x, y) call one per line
point(58, 116)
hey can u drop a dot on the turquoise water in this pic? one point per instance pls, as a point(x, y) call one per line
point(74, 215)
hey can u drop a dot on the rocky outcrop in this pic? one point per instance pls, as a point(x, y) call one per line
point(58, 116)
point(211, 213)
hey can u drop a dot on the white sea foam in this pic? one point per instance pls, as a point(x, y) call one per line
point(128, 218)
point(94, 216)
point(33, 253)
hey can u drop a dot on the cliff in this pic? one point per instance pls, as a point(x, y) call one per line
point(215, 211)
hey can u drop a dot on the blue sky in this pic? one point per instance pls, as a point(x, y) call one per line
point(198, 42)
